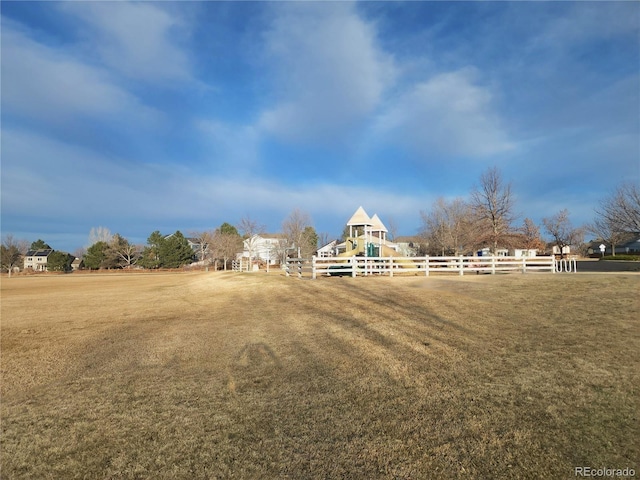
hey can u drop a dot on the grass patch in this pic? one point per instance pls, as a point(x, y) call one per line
point(214, 375)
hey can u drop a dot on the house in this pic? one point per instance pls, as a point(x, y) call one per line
point(267, 248)
point(525, 252)
point(409, 246)
point(36, 260)
point(327, 250)
point(199, 248)
point(629, 243)
point(486, 252)
point(77, 264)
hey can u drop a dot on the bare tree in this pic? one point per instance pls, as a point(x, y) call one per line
point(607, 231)
point(12, 252)
point(123, 253)
point(447, 226)
point(250, 227)
point(531, 235)
point(323, 238)
point(225, 245)
point(493, 204)
point(205, 241)
point(279, 250)
point(620, 212)
point(295, 230)
point(392, 226)
point(560, 228)
point(79, 252)
point(99, 234)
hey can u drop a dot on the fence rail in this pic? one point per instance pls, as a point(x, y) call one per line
point(354, 266)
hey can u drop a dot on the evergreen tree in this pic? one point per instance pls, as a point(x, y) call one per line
point(151, 254)
point(228, 229)
point(309, 242)
point(96, 256)
point(39, 245)
point(175, 251)
point(59, 262)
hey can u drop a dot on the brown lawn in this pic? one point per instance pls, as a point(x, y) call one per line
point(213, 375)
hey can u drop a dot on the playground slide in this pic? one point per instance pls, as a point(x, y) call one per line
point(351, 253)
point(390, 252)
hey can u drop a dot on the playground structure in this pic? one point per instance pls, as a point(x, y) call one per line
point(366, 251)
point(368, 238)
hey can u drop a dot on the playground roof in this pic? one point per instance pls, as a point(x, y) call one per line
point(377, 225)
point(359, 218)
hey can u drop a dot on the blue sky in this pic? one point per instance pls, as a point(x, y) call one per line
point(164, 116)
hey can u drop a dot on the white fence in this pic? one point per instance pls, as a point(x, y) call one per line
point(298, 266)
point(354, 266)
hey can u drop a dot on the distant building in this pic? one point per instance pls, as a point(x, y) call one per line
point(327, 250)
point(266, 248)
point(36, 260)
point(409, 246)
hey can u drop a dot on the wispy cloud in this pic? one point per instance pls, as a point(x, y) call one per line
point(448, 114)
point(48, 85)
point(330, 72)
point(138, 40)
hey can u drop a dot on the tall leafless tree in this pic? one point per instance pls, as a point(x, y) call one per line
point(493, 204)
point(563, 232)
point(606, 230)
point(99, 234)
point(531, 236)
point(205, 241)
point(447, 226)
point(12, 252)
point(249, 227)
point(123, 253)
point(225, 245)
point(621, 210)
point(392, 226)
point(323, 239)
point(295, 230)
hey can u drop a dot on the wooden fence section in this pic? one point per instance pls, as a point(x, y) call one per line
point(354, 266)
point(298, 266)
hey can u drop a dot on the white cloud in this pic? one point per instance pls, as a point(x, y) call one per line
point(39, 82)
point(330, 72)
point(447, 114)
point(135, 39)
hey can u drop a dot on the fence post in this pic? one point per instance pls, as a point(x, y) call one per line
point(299, 268)
point(461, 265)
point(524, 264)
point(426, 266)
point(313, 267)
point(352, 260)
point(391, 266)
point(493, 265)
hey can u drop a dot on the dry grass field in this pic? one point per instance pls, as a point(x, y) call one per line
point(211, 375)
